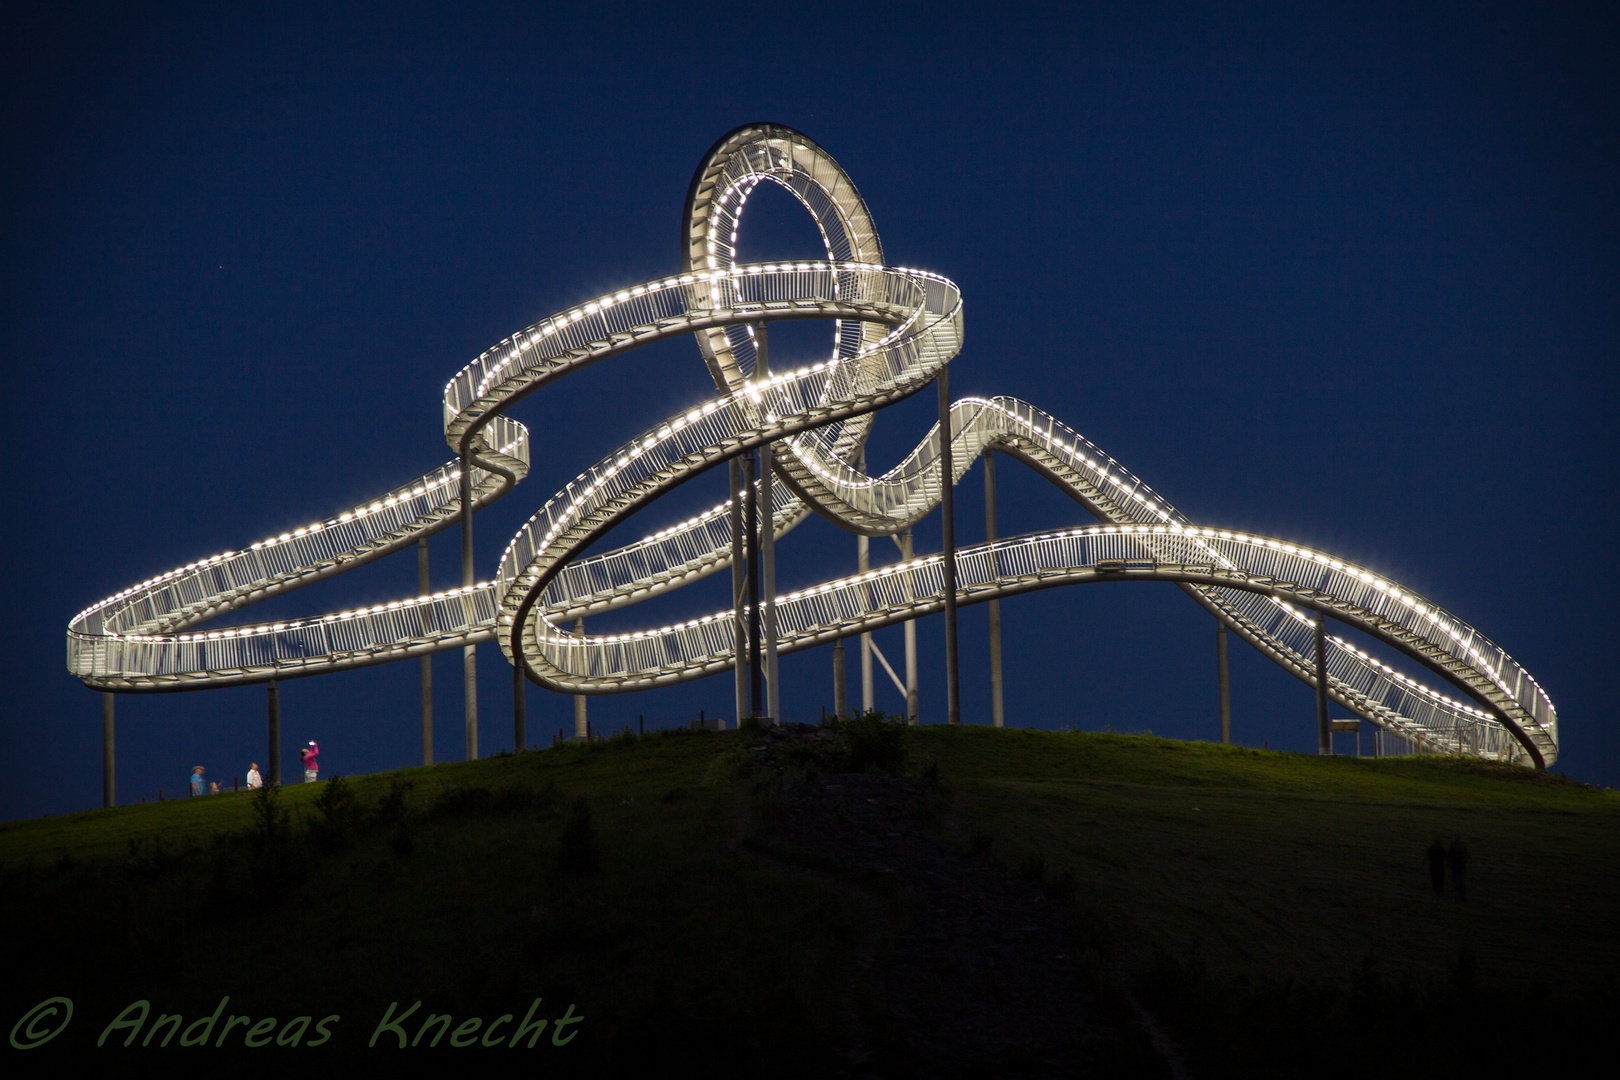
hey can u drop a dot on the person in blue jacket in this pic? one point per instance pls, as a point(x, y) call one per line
point(196, 779)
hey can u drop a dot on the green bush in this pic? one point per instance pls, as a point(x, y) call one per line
point(337, 816)
point(276, 867)
point(391, 807)
point(875, 742)
point(271, 828)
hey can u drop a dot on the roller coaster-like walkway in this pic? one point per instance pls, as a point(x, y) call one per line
point(895, 330)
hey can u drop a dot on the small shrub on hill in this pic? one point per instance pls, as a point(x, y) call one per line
point(271, 829)
point(392, 806)
point(337, 816)
point(275, 868)
point(868, 743)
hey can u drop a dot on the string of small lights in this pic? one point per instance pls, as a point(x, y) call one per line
point(895, 329)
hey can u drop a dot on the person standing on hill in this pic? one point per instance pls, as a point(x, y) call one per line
point(254, 779)
point(311, 766)
point(196, 779)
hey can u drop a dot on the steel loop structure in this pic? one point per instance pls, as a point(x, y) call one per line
point(895, 330)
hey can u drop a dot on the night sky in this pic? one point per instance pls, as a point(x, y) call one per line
point(1341, 277)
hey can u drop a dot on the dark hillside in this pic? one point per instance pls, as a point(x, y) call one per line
point(865, 901)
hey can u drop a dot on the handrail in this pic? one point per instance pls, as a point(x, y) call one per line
point(895, 329)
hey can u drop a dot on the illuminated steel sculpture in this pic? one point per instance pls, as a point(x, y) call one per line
point(895, 330)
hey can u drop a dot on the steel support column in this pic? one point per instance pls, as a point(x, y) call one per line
point(1324, 730)
point(424, 588)
point(109, 785)
point(582, 726)
point(863, 563)
point(911, 637)
point(840, 691)
point(767, 567)
point(998, 716)
point(520, 720)
point(1223, 683)
point(739, 589)
point(469, 654)
point(273, 696)
point(756, 689)
point(947, 502)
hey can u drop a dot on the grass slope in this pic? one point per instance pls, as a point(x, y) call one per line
point(1274, 864)
point(1243, 896)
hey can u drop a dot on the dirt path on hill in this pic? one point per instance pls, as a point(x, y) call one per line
point(978, 975)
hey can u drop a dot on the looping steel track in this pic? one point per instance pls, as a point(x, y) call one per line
point(894, 331)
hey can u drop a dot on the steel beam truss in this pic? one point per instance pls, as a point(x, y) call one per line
point(895, 329)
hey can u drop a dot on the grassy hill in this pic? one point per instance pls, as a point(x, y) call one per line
point(1225, 908)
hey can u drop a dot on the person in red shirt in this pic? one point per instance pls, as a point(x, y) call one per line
point(311, 766)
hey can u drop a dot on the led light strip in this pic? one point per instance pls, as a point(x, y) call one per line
point(818, 416)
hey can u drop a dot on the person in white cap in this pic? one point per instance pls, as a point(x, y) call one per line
point(311, 766)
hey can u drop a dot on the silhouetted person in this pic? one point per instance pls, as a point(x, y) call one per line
point(1437, 866)
point(1457, 857)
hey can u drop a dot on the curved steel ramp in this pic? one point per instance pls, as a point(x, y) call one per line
point(894, 331)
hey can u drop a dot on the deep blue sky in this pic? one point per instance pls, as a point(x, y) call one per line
point(1346, 277)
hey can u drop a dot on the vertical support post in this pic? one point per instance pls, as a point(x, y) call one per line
point(1223, 682)
point(840, 692)
point(767, 566)
point(469, 654)
point(756, 690)
point(582, 727)
point(762, 562)
point(109, 786)
point(947, 502)
point(274, 753)
point(739, 589)
point(1324, 730)
point(520, 719)
point(911, 638)
point(424, 588)
point(998, 716)
point(863, 563)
